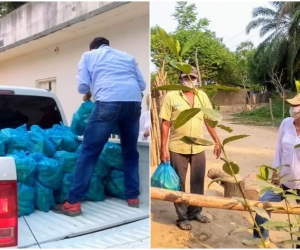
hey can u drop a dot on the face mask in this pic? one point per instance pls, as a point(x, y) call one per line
point(188, 83)
point(295, 112)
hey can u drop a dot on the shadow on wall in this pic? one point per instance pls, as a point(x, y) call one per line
point(229, 98)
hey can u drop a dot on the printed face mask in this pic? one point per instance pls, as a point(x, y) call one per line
point(188, 83)
point(295, 112)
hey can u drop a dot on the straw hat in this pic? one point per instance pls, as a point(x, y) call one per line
point(294, 101)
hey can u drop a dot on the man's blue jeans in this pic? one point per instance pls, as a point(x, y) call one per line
point(271, 197)
point(105, 116)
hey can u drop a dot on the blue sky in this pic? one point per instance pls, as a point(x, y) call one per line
point(227, 18)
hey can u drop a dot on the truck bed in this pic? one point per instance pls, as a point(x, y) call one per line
point(132, 235)
point(47, 230)
point(44, 230)
point(51, 230)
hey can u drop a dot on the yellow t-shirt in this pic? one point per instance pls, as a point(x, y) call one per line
point(173, 104)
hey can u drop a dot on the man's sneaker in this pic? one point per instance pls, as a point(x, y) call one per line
point(68, 209)
point(255, 242)
point(133, 202)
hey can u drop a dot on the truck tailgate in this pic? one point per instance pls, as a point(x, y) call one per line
point(51, 227)
point(132, 235)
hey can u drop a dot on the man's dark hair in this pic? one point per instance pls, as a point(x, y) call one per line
point(97, 42)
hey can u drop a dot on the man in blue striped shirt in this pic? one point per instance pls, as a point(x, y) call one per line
point(113, 78)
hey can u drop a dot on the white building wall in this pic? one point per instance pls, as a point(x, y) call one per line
point(35, 17)
point(132, 37)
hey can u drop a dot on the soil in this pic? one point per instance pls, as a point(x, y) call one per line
point(249, 153)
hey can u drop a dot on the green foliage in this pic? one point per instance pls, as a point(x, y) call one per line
point(233, 138)
point(256, 88)
point(184, 116)
point(211, 93)
point(216, 63)
point(230, 168)
point(297, 85)
point(213, 117)
point(174, 87)
point(196, 141)
point(226, 128)
point(168, 40)
point(263, 213)
point(261, 116)
point(266, 185)
point(159, 51)
point(281, 47)
point(7, 7)
point(243, 55)
point(186, 17)
point(264, 173)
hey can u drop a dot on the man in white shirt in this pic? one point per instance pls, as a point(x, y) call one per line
point(286, 154)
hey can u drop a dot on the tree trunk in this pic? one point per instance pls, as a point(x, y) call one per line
point(250, 190)
point(283, 107)
point(217, 202)
point(232, 189)
point(271, 109)
point(198, 70)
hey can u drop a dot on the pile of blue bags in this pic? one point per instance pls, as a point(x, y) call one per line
point(46, 163)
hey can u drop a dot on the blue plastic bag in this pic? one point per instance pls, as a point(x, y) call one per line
point(101, 169)
point(61, 194)
point(63, 138)
point(49, 172)
point(16, 139)
point(112, 153)
point(114, 184)
point(25, 166)
point(79, 148)
point(165, 177)
point(25, 200)
point(39, 142)
point(68, 160)
point(81, 117)
point(2, 145)
point(96, 190)
point(44, 198)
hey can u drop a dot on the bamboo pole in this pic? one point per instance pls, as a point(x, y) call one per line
point(217, 202)
point(156, 102)
point(156, 136)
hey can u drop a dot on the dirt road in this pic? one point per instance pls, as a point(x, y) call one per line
point(249, 153)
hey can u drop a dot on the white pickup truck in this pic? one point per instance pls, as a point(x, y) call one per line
point(108, 224)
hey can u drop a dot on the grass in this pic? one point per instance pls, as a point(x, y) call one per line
point(262, 116)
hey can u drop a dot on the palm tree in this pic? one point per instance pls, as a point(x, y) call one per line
point(281, 25)
point(287, 7)
point(292, 10)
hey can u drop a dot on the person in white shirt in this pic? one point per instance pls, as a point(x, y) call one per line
point(285, 154)
point(145, 123)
